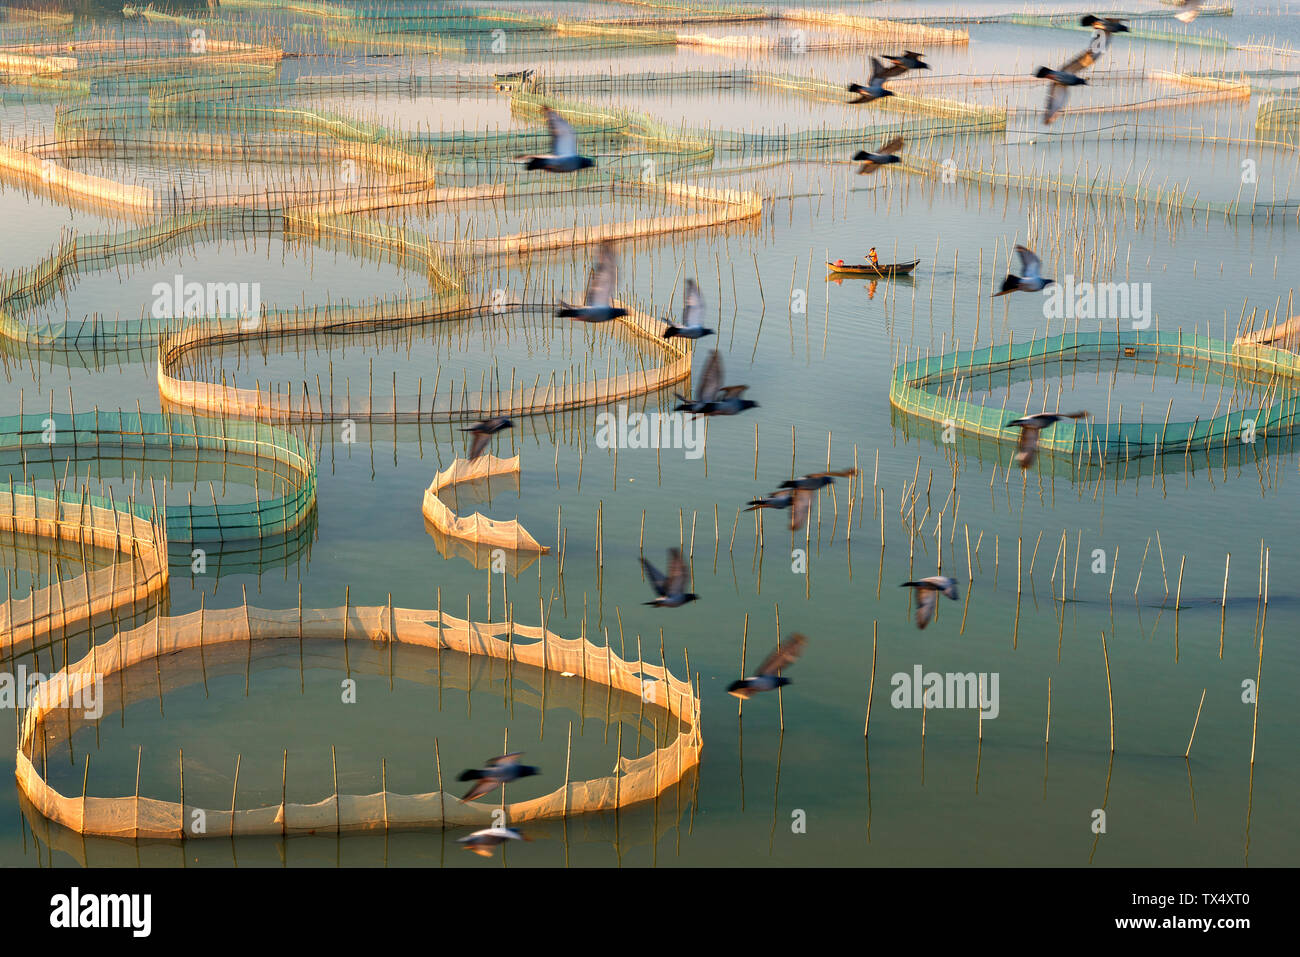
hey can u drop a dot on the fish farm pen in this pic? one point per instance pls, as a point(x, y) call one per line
point(365, 361)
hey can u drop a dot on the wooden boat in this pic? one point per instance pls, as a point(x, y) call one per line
point(867, 269)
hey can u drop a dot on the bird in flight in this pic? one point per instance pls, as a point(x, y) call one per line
point(484, 842)
point(670, 589)
point(910, 60)
point(712, 397)
point(816, 480)
point(1067, 76)
point(883, 157)
point(927, 591)
point(875, 88)
point(1191, 10)
point(563, 157)
point(692, 310)
point(1030, 426)
point(768, 676)
point(597, 302)
point(498, 771)
point(1104, 24)
point(483, 432)
point(1031, 281)
point(797, 500)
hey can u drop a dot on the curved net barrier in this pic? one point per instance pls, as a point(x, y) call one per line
point(440, 402)
point(935, 389)
point(282, 456)
point(135, 577)
point(226, 639)
point(1279, 118)
point(477, 528)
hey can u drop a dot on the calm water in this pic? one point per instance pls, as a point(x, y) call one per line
point(818, 356)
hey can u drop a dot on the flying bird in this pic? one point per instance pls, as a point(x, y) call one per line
point(500, 770)
point(1191, 10)
point(692, 309)
point(1030, 426)
point(484, 842)
point(927, 592)
point(670, 589)
point(597, 302)
point(769, 675)
point(1104, 24)
point(483, 432)
point(908, 61)
point(1068, 75)
point(563, 157)
point(873, 161)
point(712, 397)
point(798, 500)
point(1031, 281)
point(875, 88)
point(816, 480)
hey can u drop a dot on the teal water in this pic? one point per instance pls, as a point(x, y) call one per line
point(820, 363)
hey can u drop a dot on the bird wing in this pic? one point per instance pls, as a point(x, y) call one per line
point(504, 759)
point(893, 146)
point(479, 789)
point(564, 142)
point(481, 440)
point(1029, 262)
point(676, 572)
point(693, 305)
point(881, 72)
point(926, 600)
point(731, 391)
point(800, 503)
point(1056, 94)
point(785, 655)
point(657, 580)
point(1027, 445)
point(1082, 60)
point(600, 285)
point(711, 378)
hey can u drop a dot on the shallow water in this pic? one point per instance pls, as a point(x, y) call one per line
point(939, 788)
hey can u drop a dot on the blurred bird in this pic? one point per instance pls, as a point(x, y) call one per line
point(798, 500)
point(768, 677)
point(927, 595)
point(484, 842)
point(692, 309)
point(1191, 10)
point(873, 161)
point(483, 432)
point(875, 88)
point(1104, 24)
point(712, 397)
point(1068, 76)
point(908, 61)
point(500, 770)
point(1031, 281)
point(1030, 426)
point(816, 480)
point(563, 157)
point(597, 302)
point(670, 589)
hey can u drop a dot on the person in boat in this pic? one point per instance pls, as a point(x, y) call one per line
point(871, 254)
point(839, 262)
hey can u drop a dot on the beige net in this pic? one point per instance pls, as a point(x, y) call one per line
point(65, 607)
point(477, 528)
point(225, 636)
